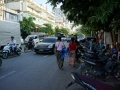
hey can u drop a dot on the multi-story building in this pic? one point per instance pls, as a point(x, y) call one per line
point(7, 13)
point(60, 18)
point(1, 9)
point(29, 8)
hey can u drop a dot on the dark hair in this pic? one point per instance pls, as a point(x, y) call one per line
point(72, 40)
point(59, 38)
point(12, 37)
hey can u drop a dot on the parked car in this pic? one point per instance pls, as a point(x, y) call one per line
point(80, 38)
point(35, 38)
point(21, 39)
point(46, 45)
point(69, 38)
point(64, 38)
point(87, 39)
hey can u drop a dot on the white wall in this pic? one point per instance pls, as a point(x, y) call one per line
point(15, 5)
point(24, 6)
point(107, 38)
point(21, 6)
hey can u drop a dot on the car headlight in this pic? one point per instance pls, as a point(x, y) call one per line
point(50, 46)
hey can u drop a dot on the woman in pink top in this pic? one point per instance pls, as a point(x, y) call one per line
point(58, 46)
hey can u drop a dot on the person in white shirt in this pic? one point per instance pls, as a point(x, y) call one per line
point(12, 43)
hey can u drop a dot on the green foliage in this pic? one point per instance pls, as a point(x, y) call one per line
point(47, 29)
point(95, 14)
point(83, 30)
point(27, 25)
point(61, 30)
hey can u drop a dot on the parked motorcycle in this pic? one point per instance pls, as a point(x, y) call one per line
point(88, 83)
point(7, 51)
point(109, 68)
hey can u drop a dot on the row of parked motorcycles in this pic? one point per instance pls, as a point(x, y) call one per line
point(94, 66)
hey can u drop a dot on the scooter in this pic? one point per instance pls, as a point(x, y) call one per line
point(29, 46)
point(7, 51)
point(89, 83)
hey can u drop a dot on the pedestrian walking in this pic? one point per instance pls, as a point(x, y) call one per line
point(72, 52)
point(59, 45)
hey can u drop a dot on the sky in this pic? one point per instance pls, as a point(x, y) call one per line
point(49, 7)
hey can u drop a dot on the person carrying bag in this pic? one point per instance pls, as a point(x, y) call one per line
point(59, 45)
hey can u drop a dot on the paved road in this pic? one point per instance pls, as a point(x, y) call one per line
point(31, 71)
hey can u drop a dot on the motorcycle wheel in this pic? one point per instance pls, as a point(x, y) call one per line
point(18, 52)
point(117, 74)
point(4, 55)
point(85, 70)
point(0, 62)
point(25, 49)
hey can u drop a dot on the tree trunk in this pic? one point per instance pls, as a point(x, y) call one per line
point(112, 38)
point(118, 35)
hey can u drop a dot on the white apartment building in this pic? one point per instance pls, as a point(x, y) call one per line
point(29, 8)
point(7, 14)
point(60, 18)
point(1, 9)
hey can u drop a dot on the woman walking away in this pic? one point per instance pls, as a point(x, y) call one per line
point(72, 55)
point(59, 45)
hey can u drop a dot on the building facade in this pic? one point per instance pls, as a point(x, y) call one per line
point(1, 9)
point(7, 13)
point(29, 8)
point(60, 18)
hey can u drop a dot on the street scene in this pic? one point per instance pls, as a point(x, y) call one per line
point(31, 71)
point(59, 45)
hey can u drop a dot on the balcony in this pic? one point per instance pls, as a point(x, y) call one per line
point(34, 6)
point(35, 14)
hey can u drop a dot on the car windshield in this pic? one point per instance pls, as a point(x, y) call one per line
point(31, 37)
point(49, 40)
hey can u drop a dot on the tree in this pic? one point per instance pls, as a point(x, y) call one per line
point(95, 14)
point(83, 30)
point(26, 25)
point(61, 30)
point(47, 29)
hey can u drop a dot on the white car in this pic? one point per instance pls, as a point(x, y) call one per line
point(64, 38)
point(21, 40)
point(35, 38)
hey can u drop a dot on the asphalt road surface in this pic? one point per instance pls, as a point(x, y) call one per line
point(31, 71)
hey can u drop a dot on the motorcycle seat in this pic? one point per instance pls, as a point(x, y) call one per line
point(95, 83)
point(94, 61)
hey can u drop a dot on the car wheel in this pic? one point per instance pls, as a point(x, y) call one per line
point(37, 52)
point(18, 52)
point(53, 51)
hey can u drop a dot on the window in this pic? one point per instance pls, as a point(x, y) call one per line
point(11, 17)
